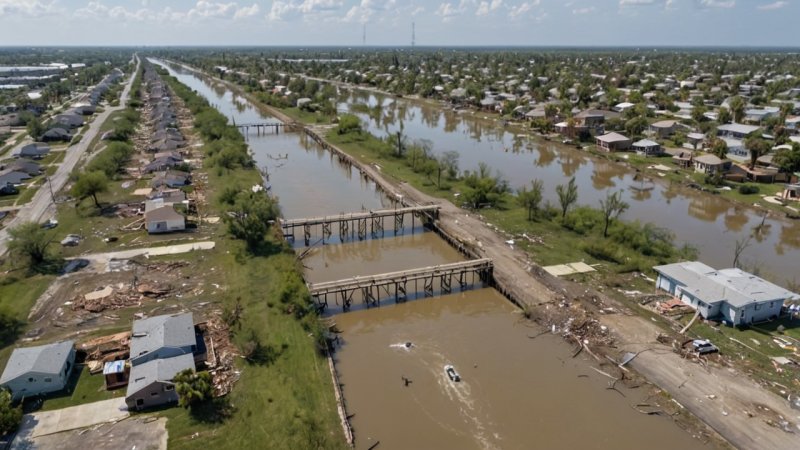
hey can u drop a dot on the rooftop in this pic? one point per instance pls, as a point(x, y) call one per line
point(159, 332)
point(157, 370)
point(46, 359)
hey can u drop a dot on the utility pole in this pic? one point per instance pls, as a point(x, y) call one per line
point(413, 34)
point(364, 36)
point(50, 185)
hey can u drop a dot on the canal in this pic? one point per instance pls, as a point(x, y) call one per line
point(708, 223)
point(515, 392)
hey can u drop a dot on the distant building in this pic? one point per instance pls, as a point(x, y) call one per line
point(736, 130)
point(711, 164)
point(38, 370)
point(731, 295)
point(663, 129)
point(164, 336)
point(33, 151)
point(612, 142)
point(647, 147)
point(164, 220)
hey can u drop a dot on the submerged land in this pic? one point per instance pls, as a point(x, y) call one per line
point(519, 150)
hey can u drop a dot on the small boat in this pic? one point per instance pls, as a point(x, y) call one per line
point(451, 373)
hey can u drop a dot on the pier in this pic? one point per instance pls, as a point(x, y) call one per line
point(263, 128)
point(399, 285)
point(358, 225)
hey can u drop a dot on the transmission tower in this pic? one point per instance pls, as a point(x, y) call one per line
point(413, 34)
point(364, 36)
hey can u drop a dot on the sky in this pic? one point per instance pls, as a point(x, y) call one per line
point(389, 22)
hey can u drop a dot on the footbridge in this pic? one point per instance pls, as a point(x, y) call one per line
point(434, 280)
point(358, 225)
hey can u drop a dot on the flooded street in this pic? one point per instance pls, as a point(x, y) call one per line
point(516, 392)
point(710, 224)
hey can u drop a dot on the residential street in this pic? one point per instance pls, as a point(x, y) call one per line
point(41, 206)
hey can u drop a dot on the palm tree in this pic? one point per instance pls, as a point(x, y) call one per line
point(719, 148)
point(757, 147)
point(737, 108)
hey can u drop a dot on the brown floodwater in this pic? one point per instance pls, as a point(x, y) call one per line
point(516, 392)
point(705, 221)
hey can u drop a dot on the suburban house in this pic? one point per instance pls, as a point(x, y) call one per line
point(611, 142)
point(711, 164)
point(647, 147)
point(170, 178)
point(695, 140)
point(56, 134)
point(68, 121)
point(23, 165)
point(165, 336)
point(150, 383)
point(663, 129)
point(164, 219)
point(13, 177)
point(33, 151)
point(38, 370)
point(736, 149)
point(622, 107)
point(731, 295)
point(736, 130)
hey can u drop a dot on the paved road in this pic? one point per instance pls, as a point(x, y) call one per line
point(100, 261)
point(41, 206)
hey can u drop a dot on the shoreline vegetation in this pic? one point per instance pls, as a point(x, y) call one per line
point(285, 397)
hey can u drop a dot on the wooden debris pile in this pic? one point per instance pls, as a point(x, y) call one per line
point(222, 354)
point(105, 348)
point(110, 298)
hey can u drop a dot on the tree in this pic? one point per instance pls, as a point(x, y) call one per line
point(90, 184)
point(719, 148)
point(348, 123)
point(567, 196)
point(10, 416)
point(448, 163)
point(531, 198)
point(401, 140)
point(612, 206)
point(724, 115)
point(29, 241)
point(193, 388)
point(636, 126)
point(789, 160)
point(757, 147)
point(737, 108)
point(483, 188)
point(698, 113)
point(249, 218)
point(35, 128)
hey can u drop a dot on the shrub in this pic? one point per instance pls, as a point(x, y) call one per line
point(747, 189)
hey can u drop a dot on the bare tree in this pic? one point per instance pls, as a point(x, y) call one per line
point(567, 196)
point(612, 206)
point(741, 245)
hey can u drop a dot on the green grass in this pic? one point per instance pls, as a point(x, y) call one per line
point(26, 195)
point(286, 404)
point(82, 387)
point(306, 116)
point(18, 294)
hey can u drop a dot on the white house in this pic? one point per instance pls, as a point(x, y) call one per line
point(150, 384)
point(164, 220)
point(38, 370)
point(647, 147)
point(731, 295)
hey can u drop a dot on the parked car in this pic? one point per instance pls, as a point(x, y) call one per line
point(74, 265)
point(704, 346)
point(51, 223)
point(71, 240)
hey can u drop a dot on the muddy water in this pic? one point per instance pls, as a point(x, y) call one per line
point(706, 222)
point(516, 392)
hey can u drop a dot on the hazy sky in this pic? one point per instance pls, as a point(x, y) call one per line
point(388, 22)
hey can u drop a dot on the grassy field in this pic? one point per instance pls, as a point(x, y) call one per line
point(83, 387)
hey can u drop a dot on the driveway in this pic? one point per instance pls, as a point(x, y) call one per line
point(41, 204)
point(100, 261)
point(44, 423)
point(140, 433)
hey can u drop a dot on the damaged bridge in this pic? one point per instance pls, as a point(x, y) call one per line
point(359, 225)
point(433, 280)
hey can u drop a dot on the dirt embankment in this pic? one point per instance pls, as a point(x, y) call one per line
point(745, 414)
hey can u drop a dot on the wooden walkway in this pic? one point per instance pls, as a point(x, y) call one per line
point(357, 225)
point(396, 285)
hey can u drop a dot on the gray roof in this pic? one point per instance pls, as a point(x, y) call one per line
point(159, 332)
point(45, 359)
point(162, 370)
point(737, 128)
point(733, 286)
point(612, 137)
point(696, 136)
point(645, 143)
point(710, 160)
